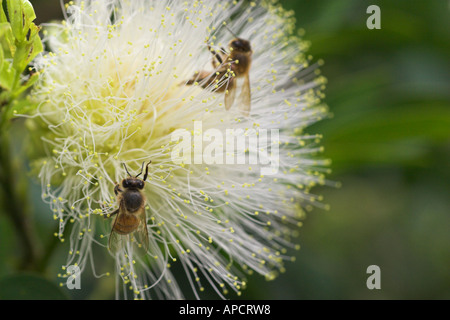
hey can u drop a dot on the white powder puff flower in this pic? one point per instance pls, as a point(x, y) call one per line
point(113, 90)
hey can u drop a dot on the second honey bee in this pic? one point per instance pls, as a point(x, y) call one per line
point(131, 218)
point(228, 67)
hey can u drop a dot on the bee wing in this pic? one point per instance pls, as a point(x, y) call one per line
point(230, 93)
point(141, 234)
point(245, 97)
point(199, 77)
point(117, 241)
point(206, 79)
point(136, 241)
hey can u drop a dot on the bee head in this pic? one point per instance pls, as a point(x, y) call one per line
point(241, 45)
point(133, 183)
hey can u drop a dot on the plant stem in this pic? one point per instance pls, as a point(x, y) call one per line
point(15, 200)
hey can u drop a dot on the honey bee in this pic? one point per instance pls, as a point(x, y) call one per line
point(131, 218)
point(227, 68)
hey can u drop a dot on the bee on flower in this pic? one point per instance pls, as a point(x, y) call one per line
point(125, 82)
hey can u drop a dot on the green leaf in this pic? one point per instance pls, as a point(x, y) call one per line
point(2, 14)
point(24, 33)
point(6, 36)
point(6, 76)
point(29, 287)
point(22, 36)
point(2, 58)
point(36, 47)
point(31, 80)
point(29, 14)
point(20, 58)
point(4, 26)
point(15, 10)
point(24, 54)
point(21, 16)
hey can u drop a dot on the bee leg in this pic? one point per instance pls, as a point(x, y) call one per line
point(117, 189)
point(190, 81)
point(218, 59)
point(198, 78)
point(111, 214)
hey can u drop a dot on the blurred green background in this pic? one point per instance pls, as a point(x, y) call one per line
point(389, 138)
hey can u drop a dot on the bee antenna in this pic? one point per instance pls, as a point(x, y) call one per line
point(124, 165)
point(226, 27)
point(142, 168)
point(146, 170)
